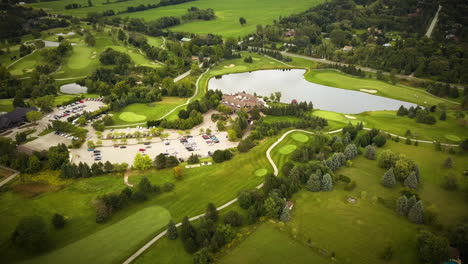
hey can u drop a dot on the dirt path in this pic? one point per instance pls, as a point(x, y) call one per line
point(127, 173)
point(11, 177)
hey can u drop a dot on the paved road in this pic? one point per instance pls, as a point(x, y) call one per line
point(433, 23)
point(276, 171)
point(5, 181)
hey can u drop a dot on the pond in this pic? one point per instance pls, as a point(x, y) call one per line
point(73, 88)
point(292, 85)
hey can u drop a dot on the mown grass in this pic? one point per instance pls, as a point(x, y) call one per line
point(6, 105)
point(399, 92)
point(151, 111)
point(390, 122)
point(261, 12)
point(267, 244)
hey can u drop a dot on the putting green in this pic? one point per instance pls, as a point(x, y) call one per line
point(452, 138)
point(288, 149)
point(300, 137)
point(261, 172)
point(131, 117)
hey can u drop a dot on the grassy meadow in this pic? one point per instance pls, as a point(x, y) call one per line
point(227, 13)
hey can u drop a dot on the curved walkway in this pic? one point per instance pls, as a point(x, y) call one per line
point(276, 171)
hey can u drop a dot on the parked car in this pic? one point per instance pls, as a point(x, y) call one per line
point(205, 137)
point(122, 147)
point(97, 158)
point(142, 149)
point(90, 149)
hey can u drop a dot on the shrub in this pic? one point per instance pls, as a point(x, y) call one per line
point(193, 159)
point(450, 182)
point(379, 140)
point(233, 218)
point(31, 234)
point(416, 213)
point(388, 179)
point(326, 183)
point(172, 230)
point(58, 221)
point(370, 152)
point(344, 178)
point(222, 155)
point(167, 187)
point(411, 181)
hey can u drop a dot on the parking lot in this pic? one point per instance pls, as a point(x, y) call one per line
point(181, 147)
point(75, 109)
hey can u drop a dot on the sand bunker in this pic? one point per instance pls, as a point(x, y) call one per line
point(368, 91)
point(28, 70)
point(230, 66)
point(93, 57)
point(350, 117)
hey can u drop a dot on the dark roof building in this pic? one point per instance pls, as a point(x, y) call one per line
point(14, 118)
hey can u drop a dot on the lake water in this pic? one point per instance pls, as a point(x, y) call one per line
point(73, 88)
point(292, 85)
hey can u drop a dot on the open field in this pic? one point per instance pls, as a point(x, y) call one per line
point(390, 122)
point(399, 92)
point(267, 244)
point(135, 113)
point(227, 12)
point(124, 234)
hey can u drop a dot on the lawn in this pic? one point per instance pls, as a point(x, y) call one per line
point(6, 105)
point(268, 244)
point(400, 92)
point(260, 12)
point(125, 235)
point(448, 131)
point(135, 113)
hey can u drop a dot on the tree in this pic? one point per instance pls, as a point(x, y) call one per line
point(203, 256)
point(416, 213)
point(172, 230)
point(178, 173)
point(211, 212)
point(58, 221)
point(350, 151)
point(388, 179)
point(273, 205)
point(31, 234)
point(370, 152)
point(285, 214)
point(278, 96)
point(233, 218)
point(188, 235)
point(245, 199)
point(142, 162)
point(411, 181)
point(443, 116)
point(448, 163)
point(160, 161)
point(145, 185)
point(379, 140)
point(314, 183)
point(242, 21)
point(193, 159)
point(232, 135)
point(34, 164)
point(402, 206)
point(411, 201)
point(431, 248)
point(327, 183)
point(33, 116)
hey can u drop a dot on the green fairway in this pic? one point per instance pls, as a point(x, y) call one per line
point(287, 149)
point(261, 172)
point(267, 244)
point(113, 243)
point(390, 122)
point(142, 112)
point(131, 117)
point(300, 137)
point(6, 105)
point(400, 92)
point(26, 65)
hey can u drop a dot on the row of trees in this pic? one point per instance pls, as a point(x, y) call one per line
point(107, 204)
point(83, 170)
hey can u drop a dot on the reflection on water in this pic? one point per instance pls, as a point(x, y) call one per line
point(292, 85)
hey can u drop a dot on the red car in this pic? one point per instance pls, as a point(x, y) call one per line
point(142, 149)
point(81, 102)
